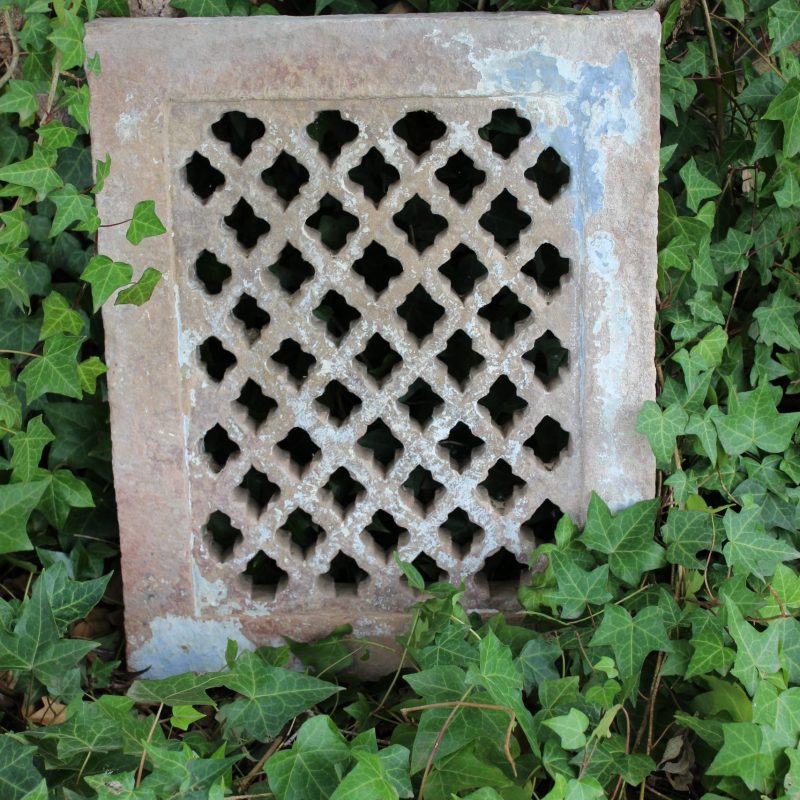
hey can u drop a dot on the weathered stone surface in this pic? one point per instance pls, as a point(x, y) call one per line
point(199, 451)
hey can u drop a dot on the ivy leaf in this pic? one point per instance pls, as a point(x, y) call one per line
point(685, 533)
point(140, 292)
point(776, 320)
point(571, 728)
point(756, 652)
point(27, 449)
point(784, 24)
point(754, 421)
point(377, 776)
point(313, 768)
point(59, 317)
point(63, 492)
point(89, 371)
point(708, 646)
point(749, 546)
point(18, 774)
point(627, 538)
point(203, 8)
point(272, 695)
point(467, 770)
point(70, 207)
point(741, 755)
point(56, 370)
point(35, 172)
point(17, 501)
point(788, 196)
point(661, 428)
point(577, 587)
point(784, 108)
point(705, 431)
point(781, 711)
point(68, 39)
point(145, 221)
point(105, 277)
point(20, 98)
point(632, 639)
point(698, 187)
point(55, 136)
point(186, 689)
point(76, 100)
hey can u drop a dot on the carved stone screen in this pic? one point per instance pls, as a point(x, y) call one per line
point(407, 306)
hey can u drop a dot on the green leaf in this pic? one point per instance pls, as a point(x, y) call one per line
point(105, 277)
point(781, 711)
point(70, 206)
point(56, 370)
point(145, 222)
point(777, 322)
point(68, 39)
point(784, 24)
point(741, 755)
point(18, 774)
point(377, 776)
point(20, 98)
point(186, 689)
point(788, 196)
point(413, 576)
point(465, 770)
point(661, 428)
point(63, 492)
point(571, 728)
point(537, 658)
point(203, 8)
point(55, 136)
point(784, 108)
point(313, 768)
point(749, 547)
point(76, 100)
point(627, 538)
point(89, 371)
point(698, 187)
point(36, 172)
point(756, 652)
point(28, 448)
point(17, 501)
point(754, 421)
point(577, 587)
point(685, 533)
point(709, 653)
point(59, 317)
point(140, 292)
point(184, 716)
point(272, 695)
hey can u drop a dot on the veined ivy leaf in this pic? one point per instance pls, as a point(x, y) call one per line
point(39, 793)
point(786, 109)
point(709, 653)
point(89, 371)
point(59, 317)
point(781, 711)
point(756, 651)
point(63, 492)
point(56, 370)
point(105, 277)
point(377, 776)
point(18, 773)
point(705, 430)
point(15, 229)
point(20, 98)
point(17, 501)
point(784, 24)
point(141, 291)
point(186, 689)
point(467, 769)
point(56, 136)
point(577, 587)
point(272, 696)
point(698, 187)
point(145, 222)
point(121, 786)
point(70, 206)
point(687, 532)
point(68, 39)
point(742, 756)
point(788, 196)
point(661, 428)
point(777, 322)
point(626, 538)
point(76, 99)
point(632, 639)
point(314, 767)
point(27, 449)
point(570, 727)
point(35, 172)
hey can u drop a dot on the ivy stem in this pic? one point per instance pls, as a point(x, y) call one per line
point(20, 353)
point(12, 36)
point(752, 46)
point(147, 741)
point(717, 72)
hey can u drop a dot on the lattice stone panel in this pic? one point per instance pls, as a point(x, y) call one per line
point(407, 305)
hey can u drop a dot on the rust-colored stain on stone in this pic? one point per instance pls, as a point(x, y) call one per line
point(407, 306)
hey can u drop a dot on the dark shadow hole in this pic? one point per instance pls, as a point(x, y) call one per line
point(500, 481)
point(337, 314)
point(224, 537)
point(302, 530)
point(265, 575)
point(203, 178)
point(291, 269)
point(251, 315)
point(505, 130)
point(239, 131)
point(211, 272)
point(385, 532)
point(249, 228)
point(216, 359)
point(295, 359)
point(258, 405)
point(375, 175)
point(344, 488)
point(339, 401)
point(427, 567)
point(547, 356)
point(461, 530)
point(421, 401)
point(345, 574)
point(419, 130)
point(219, 446)
point(505, 220)
point(543, 522)
point(381, 441)
point(549, 173)
point(504, 312)
point(420, 311)
point(547, 267)
point(459, 357)
point(299, 446)
point(379, 358)
point(377, 267)
point(461, 177)
point(502, 402)
point(285, 176)
point(463, 270)
point(419, 223)
point(333, 223)
point(548, 440)
point(259, 488)
point(422, 486)
point(460, 443)
point(332, 132)
point(502, 572)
